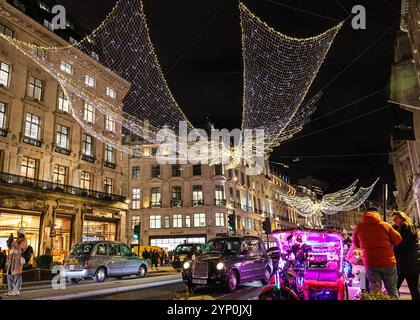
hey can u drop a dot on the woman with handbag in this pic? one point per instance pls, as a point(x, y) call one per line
point(15, 263)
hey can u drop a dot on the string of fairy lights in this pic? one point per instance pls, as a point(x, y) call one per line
point(278, 72)
point(344, 200)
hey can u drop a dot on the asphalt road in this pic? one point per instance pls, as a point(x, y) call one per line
point(248, 291)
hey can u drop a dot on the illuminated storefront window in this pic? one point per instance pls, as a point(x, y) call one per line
point(61, 241)
point(171, 243)
point(99, 230)
point(11, 222)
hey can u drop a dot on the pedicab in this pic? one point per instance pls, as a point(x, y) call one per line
point(311, 266)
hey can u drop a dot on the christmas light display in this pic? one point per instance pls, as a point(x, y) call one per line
point(343, 200)
point(278, 71)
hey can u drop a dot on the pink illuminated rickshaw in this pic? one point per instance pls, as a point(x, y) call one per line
point(311, 266)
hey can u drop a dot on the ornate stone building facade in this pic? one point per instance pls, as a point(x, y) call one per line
point(405, 89)
point(176, 203)
point(55, 179)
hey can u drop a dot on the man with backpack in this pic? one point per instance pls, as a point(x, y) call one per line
point(21, 254)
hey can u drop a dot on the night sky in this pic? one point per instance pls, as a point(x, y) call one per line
point(198, 43)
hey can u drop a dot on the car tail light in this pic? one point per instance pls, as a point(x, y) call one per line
point(86, 264)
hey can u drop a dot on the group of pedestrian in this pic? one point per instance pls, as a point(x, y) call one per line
point(155, 258)
point(390, 254)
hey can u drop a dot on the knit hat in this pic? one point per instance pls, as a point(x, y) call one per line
point(22, 230)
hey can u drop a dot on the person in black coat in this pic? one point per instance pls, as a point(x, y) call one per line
point(407, 254)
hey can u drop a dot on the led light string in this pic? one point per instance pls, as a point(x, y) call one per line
point(278, 71)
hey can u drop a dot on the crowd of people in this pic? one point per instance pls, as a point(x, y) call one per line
point(156, 258)
point(389, 253)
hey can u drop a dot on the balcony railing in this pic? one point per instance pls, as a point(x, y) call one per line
point(88, 158)
point(3, 133)
point(197, 203)
point(220, 202)
point(157, 204)
point(62, 150)
point(176, 203)
point(32, 141)
point(7, 178)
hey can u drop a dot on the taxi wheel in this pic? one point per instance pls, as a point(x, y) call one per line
point(267, 276)
point(74, 280)
point(142, 272)
point(100, 275)
point(232, 282)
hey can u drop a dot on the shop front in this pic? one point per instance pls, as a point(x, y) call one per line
point(11, 221)
point(170, 243)
point(61, 242)
point(98, 228)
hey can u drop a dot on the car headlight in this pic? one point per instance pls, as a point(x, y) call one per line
point(187, 265)
point(220, 266)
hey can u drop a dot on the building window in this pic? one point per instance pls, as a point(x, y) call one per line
point(176, 170)
point(166, 222)
point(244, 201)
point(72, 40)
point(48, 25)
point(109, 124)
point(32, 126)
point(85, 180)
point(6, 31)
point(111, 93)
point(90, 81)
point(88, 113)
point(188, 221)
point(135, 194)
point(218, 169)
point(108, 185)
point(38, 52)
point(5, 74)
point(176, 200)
point(155, 222)
point(87, 145)
point(135, 172)
point(19, 5)
point(66, 67)
point(94, 55)
point(155, 171)
point(44, 6)
point(197, 170)
point(63, 134)
point(219, 195)
point(36, 88)
point(28, 168)
point(220, 219)
point(2, 115)
point(199, 219)
point(177, 221)
point(155, 198)
point(197, 196)
point(63, 102)
point(135, 221)
point(60, 175)
point(109, 154)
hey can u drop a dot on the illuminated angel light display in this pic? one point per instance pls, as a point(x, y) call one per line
point(343, 200)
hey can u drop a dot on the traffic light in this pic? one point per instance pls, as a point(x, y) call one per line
point(136, 233)
point(266, 226)
point(232, 222)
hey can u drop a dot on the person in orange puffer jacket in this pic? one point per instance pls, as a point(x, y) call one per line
point(377, 240)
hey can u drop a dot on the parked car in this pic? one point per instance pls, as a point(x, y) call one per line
point(229, 261)
point(102, 259)
point(187, 251)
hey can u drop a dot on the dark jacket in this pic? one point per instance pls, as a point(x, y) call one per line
point(408, 251)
